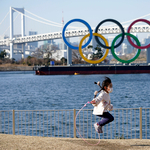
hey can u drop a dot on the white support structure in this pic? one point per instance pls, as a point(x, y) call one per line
point(23, 32)
point(148, 55)
point(12, 30)
point(69, 56)
point(11, 33)
point(75, 33)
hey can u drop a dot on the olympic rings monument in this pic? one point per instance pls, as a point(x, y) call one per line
point(106, 46)
point(86, 33)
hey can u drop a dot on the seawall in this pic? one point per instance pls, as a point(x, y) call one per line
point(16, 68)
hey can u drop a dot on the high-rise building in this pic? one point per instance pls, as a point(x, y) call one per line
point(4, 37)
point(126, 45)
point(33, 44)
point(126, 49)
point(146, 41)
point(32, 32)
point(49, 42)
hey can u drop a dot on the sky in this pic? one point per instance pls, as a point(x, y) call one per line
point(92, 11)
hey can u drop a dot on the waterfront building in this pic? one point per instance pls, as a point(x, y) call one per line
point(58, 54)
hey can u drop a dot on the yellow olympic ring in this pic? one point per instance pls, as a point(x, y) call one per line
point(93, 61)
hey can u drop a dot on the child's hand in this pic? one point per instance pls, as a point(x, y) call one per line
point(110, 107)
point(93, 102)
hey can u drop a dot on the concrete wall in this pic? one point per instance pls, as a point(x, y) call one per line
point(16, 68)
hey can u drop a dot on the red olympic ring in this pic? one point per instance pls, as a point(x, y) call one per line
point(129, 38)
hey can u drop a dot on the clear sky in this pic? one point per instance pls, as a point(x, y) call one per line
point(93, 11)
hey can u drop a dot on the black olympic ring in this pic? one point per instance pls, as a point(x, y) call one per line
point(116, 22)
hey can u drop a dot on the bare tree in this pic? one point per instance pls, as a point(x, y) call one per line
point(76, 55)
point(38, 53)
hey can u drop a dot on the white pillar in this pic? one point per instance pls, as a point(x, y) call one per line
point(23, 50)
point(22, 24)
point(94, 43)
point(23, 32)
point(69, 56)
point(11, 50)
point(148, 55)
point(11, 33)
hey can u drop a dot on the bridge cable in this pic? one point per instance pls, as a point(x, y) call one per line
point(129, 20)
point(49, 20)
point(36, 19)
point(42, 18)
point(4, 18)
point(40, 21)
point(9, 26)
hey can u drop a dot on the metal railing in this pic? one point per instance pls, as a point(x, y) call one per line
point(129, 123)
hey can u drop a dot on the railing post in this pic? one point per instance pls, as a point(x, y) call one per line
point(74, 118)
point(140, 122)
point(13, 122)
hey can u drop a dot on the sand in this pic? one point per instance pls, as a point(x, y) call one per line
point(20, 142)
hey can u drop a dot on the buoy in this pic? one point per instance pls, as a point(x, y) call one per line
point(76, 73)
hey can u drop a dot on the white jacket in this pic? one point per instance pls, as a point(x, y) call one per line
point(102, 103)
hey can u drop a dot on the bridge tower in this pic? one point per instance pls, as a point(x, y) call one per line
point(12, 30)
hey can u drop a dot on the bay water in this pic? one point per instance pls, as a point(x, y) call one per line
point(23, 90)
point(27, 91)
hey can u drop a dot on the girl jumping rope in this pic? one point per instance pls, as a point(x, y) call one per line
point(102, 104)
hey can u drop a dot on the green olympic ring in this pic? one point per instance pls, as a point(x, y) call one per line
point(125, 61)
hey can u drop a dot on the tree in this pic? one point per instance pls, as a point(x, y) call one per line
point(64, 60)
point(45, 51)
point(76, 55)
point(3, 54)
point(90, 47)
point(98, 54)
point(38, 53)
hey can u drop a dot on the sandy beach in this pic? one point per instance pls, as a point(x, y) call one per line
point(19, 142)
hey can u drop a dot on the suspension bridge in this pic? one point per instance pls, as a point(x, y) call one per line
point(72, 32)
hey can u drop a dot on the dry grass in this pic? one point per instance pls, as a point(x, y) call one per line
point(19, 142)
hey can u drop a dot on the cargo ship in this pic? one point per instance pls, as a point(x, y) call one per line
point(101, 69)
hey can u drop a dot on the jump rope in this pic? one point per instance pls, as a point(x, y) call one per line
point(95, 93)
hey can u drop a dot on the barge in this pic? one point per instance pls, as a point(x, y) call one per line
point(102, 69)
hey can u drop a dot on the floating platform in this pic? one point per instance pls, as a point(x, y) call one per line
point(109, 69)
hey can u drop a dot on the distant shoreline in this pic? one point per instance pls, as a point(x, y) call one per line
point(15, 68)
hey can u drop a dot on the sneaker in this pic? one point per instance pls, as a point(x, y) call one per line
point(100, 129)
point(96, 127)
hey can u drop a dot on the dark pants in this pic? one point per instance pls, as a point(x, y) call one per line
point(106, 118)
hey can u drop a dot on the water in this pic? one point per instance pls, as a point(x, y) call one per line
point(27, 91)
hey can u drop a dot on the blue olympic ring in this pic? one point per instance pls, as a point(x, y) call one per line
point(78, 20)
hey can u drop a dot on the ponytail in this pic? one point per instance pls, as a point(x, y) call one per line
point(96, 92)
point(106, 82)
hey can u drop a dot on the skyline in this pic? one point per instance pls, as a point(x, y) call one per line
point(115, 9)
